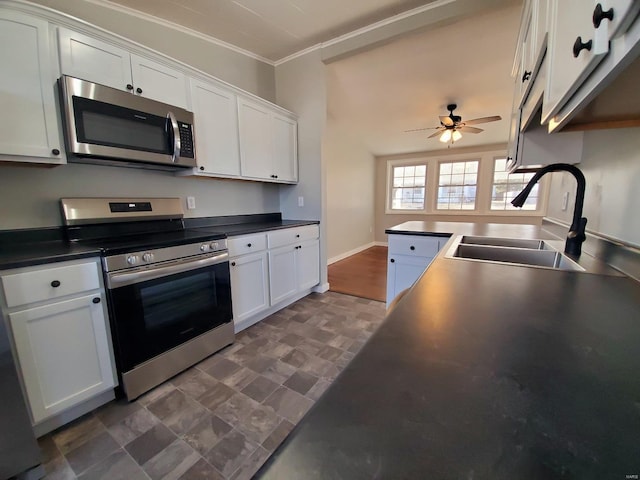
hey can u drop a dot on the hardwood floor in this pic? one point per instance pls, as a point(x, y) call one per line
point(361, 275)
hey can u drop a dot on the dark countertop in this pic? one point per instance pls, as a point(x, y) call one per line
point(484, 371)
point(25, 255)
point(248, 228)
point(446, 229)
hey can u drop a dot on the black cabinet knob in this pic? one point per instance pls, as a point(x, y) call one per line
point(55, 283)
point(55, 151)
point(96, 300)
point(579, 45)
point(138, 90)
point(599, 15)
point(129, 86)
point(201, 168)
point(412, 247)
point(233, 264)
point(249, 245)
point(526, 76)
point(392, 260)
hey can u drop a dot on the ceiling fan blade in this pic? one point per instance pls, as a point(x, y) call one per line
point(446, 121)
point(439, 132)
point(476, 121)
point(470, 129)
point(421, 129)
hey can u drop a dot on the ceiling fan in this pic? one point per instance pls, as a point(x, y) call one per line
point(451, 125)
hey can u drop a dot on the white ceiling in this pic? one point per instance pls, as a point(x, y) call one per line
point(272, 29)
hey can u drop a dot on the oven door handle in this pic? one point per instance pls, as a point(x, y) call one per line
point(120, 279)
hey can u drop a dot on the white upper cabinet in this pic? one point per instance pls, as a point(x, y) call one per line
point(216, 129)
point(100, 62)
point(614, 15)
point(29, 127)
point(268, 143)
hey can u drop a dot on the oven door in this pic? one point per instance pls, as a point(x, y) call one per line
point(155, 309)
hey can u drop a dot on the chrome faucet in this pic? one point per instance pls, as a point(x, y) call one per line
point(576, 235)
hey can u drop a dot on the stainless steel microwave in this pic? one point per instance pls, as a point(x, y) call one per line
point(109, 126)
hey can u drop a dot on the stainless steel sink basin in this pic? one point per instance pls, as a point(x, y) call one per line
point(532, 253)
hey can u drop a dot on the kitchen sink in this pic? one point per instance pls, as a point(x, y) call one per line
point(532, 253)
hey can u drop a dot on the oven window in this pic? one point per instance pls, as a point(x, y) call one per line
point(154, 316)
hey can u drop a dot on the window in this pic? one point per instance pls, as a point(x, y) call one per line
point(507, 185)
point(457, 184)
point(408, 191)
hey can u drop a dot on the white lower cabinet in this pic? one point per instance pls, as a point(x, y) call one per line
point(57, 316)
point(249, 285)
point(282, 273)
point(408, 258)
point(308, 264)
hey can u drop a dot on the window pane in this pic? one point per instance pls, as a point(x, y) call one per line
point(507, 186)
point(457, 183)
point(407, 189)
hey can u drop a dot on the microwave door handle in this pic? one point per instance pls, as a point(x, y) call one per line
point(173, 124)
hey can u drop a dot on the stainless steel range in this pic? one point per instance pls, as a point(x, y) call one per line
point(168, 287)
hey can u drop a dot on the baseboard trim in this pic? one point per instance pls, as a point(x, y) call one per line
point(344, 255)
point(321, 288)
point(381, 244)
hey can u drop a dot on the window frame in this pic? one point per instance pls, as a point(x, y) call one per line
point(477, 185)
point(486, 165)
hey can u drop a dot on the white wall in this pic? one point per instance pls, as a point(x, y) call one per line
point(611, 166)
point(29, 196)
point(301, 88)
point(350, 192)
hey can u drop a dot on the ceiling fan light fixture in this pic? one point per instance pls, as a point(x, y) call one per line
point(446, 136)
point(455, 136)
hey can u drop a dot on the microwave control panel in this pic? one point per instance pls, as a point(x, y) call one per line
point(186, 140)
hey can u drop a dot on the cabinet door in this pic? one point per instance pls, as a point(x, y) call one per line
point(285, 155)
point(249, 285)
point(282, 273)
point(159, 82)
point(29, 123)
point(308, 264)
point(64, 354)
point(216, 123)
point(570, 19)
point(402, 272)
point(93, 60)
point(255, 140)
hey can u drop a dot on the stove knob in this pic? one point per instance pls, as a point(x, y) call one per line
point(204, 247)
point(132, 259)
point(147, 257)
point(214, 246)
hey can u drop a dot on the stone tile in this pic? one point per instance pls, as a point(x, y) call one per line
point(201, 470)
point(194, 383)
point(317, 366)
point(291, 339)
point(177, 411)
point(259, 423)
point(116, 410)
point(117, 466)
point(231, 452)
point(330, 353)
point(216, 396)
point(301, 382)
point(310, 347)
point(278, 435)
point(301, 317)
point(153, 395)
point(150, 443)
point(172, 462)
point(278, 350)
point(357, 345)
point(260, 363)
point(76, 433)
point(251, 465)
point(260, 388)
point(318, 389)
point(221, 368)
point(288, 404)
point(133, 426)
point(279, 372)
point(203, 436)
point(240, 379)
point(234, 410)
point(296, 358)
point(91, 452)
point(345, 359)
point(58, 469)
point(341, 342)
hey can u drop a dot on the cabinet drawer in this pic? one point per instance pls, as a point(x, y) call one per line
point(49, 283)
point(414, 245)
point(289, 236)
point(246, 244)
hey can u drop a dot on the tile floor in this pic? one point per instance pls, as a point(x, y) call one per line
point(222, 418)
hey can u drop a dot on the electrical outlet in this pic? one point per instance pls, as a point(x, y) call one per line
point(301, 201)
point(565, 201)
point(191, 203)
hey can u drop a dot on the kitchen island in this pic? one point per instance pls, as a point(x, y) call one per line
point(484, 371)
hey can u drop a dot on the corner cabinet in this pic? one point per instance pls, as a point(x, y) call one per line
point(408, 257)
point(58, 320)
point(268, 143)
point(27, 92)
